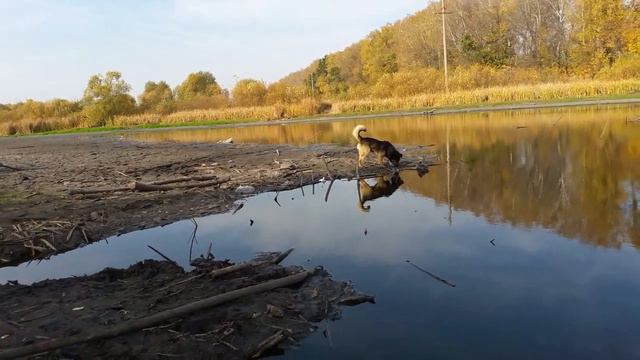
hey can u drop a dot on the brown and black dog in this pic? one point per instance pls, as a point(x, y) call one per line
point(382, 149)
point(383, 187)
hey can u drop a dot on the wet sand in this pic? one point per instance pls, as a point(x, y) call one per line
point(42, 215)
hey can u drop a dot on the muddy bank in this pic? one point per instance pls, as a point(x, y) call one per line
point(155, 310)
point(41, 215)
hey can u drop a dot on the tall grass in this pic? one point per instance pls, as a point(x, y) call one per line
point(308, 107)
point(492, 95)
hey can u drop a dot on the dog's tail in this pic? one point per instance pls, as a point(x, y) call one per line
point(357, 130)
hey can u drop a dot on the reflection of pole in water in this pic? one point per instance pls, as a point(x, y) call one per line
point(449, 178)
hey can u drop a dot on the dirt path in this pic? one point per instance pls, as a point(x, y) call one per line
point(40, 216)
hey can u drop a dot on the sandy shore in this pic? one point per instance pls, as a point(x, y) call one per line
point(41, 215)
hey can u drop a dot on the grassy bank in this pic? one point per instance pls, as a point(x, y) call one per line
point(550, 92)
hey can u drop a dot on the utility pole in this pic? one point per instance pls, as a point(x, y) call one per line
point(444, 47)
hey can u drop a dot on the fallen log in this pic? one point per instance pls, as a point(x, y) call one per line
point(153, 320)
point(142, 187)
point(154, 186)
point(98, 191)
point(184, 179)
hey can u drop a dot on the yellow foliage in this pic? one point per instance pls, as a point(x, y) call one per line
point(540, 92)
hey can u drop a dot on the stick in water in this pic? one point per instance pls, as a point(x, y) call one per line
point(163, 255)
point(431, 274)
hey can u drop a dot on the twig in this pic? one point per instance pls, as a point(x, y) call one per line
point(193, 237)
point(149, 321)
point(276, 199)
point(326, 196)
point(163, 255)
point(10, 167)
point(71, 233)
point(237, 208)
point(84, 234)
point(432, 275)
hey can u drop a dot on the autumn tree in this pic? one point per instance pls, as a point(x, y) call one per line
point(157, 98)
point(105, 97)
point(200, 91)
point(249, 92)
point(598, 38)
point(201, 83)
point(378, 56)
point(282, 93)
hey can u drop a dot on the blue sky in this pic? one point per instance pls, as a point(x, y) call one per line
point(50, 48)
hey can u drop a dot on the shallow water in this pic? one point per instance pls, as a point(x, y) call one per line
point(535, 221)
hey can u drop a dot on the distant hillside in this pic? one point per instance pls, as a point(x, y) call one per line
point(490, 43)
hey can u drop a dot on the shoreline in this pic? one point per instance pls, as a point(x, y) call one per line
point(79, 193)
point(345, 117)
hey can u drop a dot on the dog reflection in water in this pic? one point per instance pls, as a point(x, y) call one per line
point(384, 186)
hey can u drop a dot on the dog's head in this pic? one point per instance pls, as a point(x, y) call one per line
point(394, 156)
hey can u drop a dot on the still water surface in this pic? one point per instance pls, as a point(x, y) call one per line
point(535, 221)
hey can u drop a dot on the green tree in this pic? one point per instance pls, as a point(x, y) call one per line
point(199, 84)
point(326, 79)
point(249, 92)
point(157, 97)
point(105, 97)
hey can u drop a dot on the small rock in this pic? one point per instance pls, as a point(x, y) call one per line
point(245, 189)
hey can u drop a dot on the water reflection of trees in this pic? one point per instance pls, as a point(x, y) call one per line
point(570, 170)
point(576, 180)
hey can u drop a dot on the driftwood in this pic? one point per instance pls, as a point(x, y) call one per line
point(153, 320)
point(249, 264)
point(156, 185)
point(268, 343)
point(184, 179)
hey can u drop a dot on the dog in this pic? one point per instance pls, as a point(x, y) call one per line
point(383, 187)
point(382, 149)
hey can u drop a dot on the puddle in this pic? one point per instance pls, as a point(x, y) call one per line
point(564, 295)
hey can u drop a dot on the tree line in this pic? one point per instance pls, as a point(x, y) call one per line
point(490, 43)
point(108, 95)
